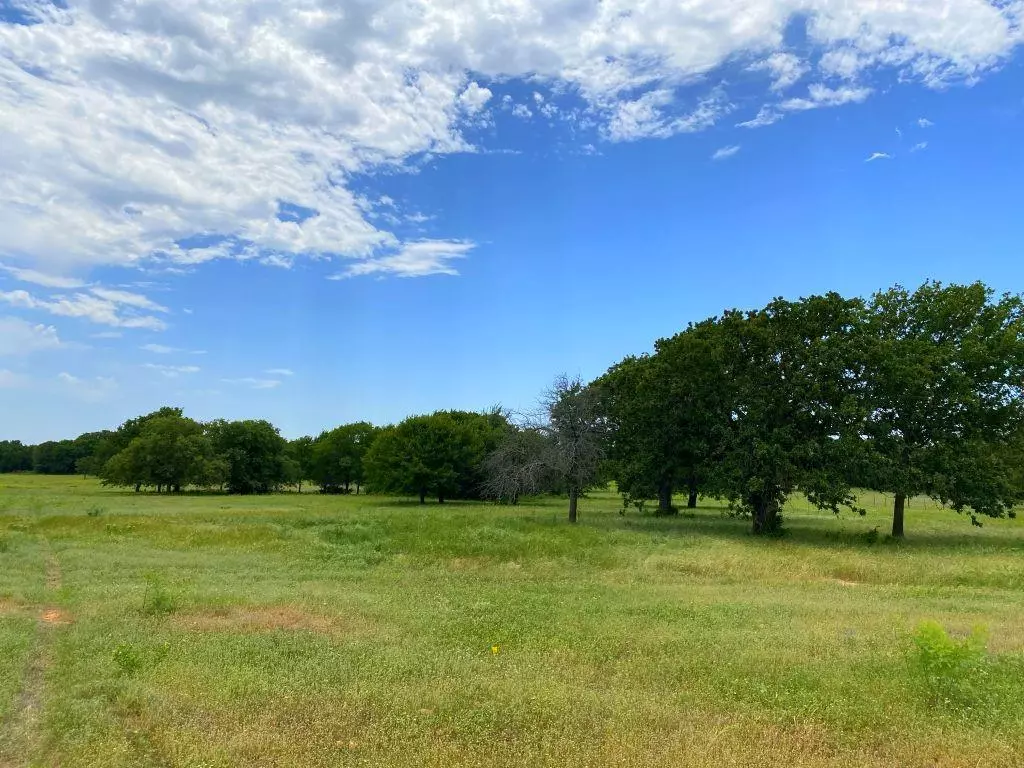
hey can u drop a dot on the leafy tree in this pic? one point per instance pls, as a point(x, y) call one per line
point(15, 457)
point(170, 452)
point(55, 457)
point(664, 411)
point(576, 430)
point(300, 452)
point(789, 374)
point(336, 459)
point(944, 367)
point(254, 453)
point(421, 456)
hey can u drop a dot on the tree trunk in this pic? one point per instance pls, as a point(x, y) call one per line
point(665, 498)
point(177, 489)
point(574, 497)
point(766, 516)
point(423, 497)
point(159, 488)
point(897, 515)
point(138, 487)
point(440, 497)
point(691, 502)
point(515, 499)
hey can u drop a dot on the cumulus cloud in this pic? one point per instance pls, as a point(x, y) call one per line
point(785, 68)
point(725, 152)
point(174, 131)
point(416, 259)
point(19, 337)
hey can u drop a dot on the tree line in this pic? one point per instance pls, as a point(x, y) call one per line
point(908, 392)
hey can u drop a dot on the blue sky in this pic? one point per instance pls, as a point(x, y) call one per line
point(320, 212)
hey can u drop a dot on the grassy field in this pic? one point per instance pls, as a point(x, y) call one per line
point(299, 630)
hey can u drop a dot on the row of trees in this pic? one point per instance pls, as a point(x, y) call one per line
point(908, 393)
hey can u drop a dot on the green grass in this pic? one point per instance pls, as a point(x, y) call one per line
point(333, 631)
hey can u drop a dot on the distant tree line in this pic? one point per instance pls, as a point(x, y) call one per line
point(907, 393)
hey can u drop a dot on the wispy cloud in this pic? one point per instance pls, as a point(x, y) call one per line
point(819, 95)
point(878, 156)
point(255, 383)
point(921, 145)
point(11, 380)
point(766, 116)
point(101, 306)
point(924, 122)
point(415, 259)
point(90, 390)
point(19, 337)
point(726, 152)
point(172, 371)
point(39, 278)
point(280, 372)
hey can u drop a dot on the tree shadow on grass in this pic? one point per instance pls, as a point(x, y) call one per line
point(716, 524)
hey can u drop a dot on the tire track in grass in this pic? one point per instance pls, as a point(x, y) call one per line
point(20, 732)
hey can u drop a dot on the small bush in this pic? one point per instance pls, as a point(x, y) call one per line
point(955, 673)
point(128, 659)
point(94, 511)
point(871, 537)
point(157, 601)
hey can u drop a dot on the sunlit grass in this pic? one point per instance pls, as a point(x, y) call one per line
point(324, 631)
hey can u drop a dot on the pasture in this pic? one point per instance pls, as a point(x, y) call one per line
point(302, 630)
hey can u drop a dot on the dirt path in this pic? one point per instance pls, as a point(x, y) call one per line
point(20, 731)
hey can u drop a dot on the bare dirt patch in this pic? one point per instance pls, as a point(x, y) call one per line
point(54, 616)
point(271, 619)
point(10, 607)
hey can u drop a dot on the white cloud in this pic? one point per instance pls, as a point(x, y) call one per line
point(38, 278)
point(12, 380)
point(474, 98)
point(104, 307)
point(158, 349)
point(415, 259)
point(785, 68)
point(921, 145)
point(280, 372)
point(819, 95)
point(522, 111)
point(19, 337)
point(128, 299)
point(131, 126)
point(878, 156)
point(254, 383)
point(924, 122)
point(172, 371)
point(107, 335)
point(650, 116)
point(766, 116)
point(90, 390)
point(725, 152)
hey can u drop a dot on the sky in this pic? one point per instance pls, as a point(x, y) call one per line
point(323, 211)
